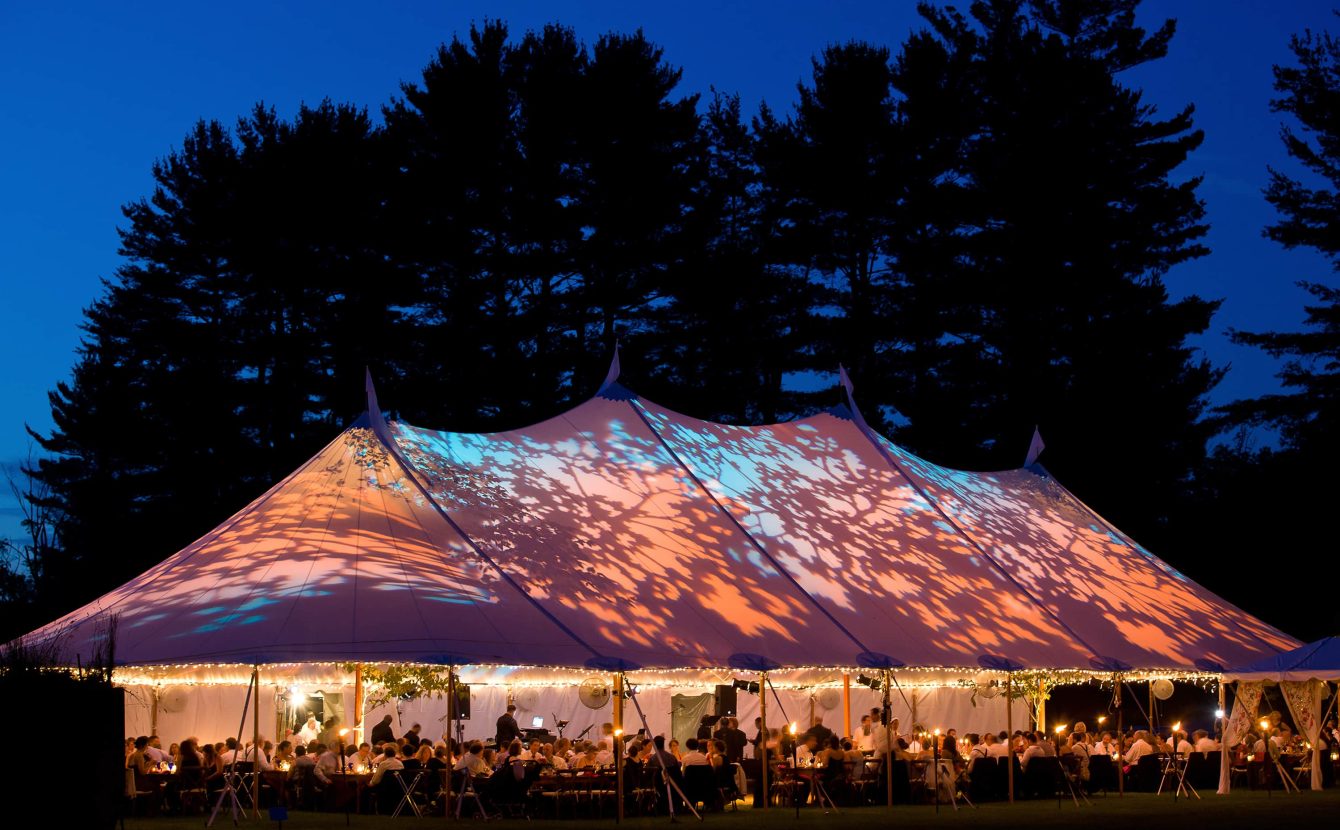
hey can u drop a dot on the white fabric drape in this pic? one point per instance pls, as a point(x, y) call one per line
point(1239, 723)
point(1304, 701)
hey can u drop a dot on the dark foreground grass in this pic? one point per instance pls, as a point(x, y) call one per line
point(1252, 809)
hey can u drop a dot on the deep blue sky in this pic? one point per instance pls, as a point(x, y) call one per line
point(94, 92)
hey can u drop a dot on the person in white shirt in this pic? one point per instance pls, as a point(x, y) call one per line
point(473, 761)
point(1139, 748)
point(883, 736)
point(977, 748)
point(310, 730)
point(250, 752)
point(1181, 745)
point(1204, 743)
point(1031, 750)
point(694, 757)
point(996, 747)
point(388, 762)
point(865, 735)
point(1103, 746)
point(230, 754)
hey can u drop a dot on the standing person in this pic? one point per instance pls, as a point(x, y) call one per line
point(412, 736)
point(381, 733)
point(508, 731)
point(310, 730)
point(735, 740)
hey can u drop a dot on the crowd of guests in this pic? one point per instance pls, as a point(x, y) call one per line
point(317, 753)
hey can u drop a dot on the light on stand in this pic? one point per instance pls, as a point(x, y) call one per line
point(1102, 719)
point(1219, 714)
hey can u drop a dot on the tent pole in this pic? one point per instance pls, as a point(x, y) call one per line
point(1009, 733)
point(618, 748)
point(1153, 715)
point(1042, 706)
point(763, 737)
point(886, 724)
point(846, 703)
point(1224, 764)
point(153, 714)
point(256, 743)
point(1121, 740)
point(358, 703)
point(451, 739)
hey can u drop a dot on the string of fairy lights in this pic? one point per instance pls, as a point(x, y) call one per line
point(496, 674)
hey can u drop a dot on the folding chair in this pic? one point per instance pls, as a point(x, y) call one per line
point(407, 790)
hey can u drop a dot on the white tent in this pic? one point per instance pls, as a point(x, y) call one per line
point(622, 535)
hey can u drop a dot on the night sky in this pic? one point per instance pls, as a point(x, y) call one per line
point(94, 93)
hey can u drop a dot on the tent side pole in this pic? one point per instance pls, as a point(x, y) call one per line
point(846, 703)
point(451, 739)
point(886, 718)
point(763, 737)
point(358, 703)
point(618, 748)
point(256, 742)
point(1009, 734)
point(153, 714)
point(1121, 742)
point(1042, 706)
point(1225, 766)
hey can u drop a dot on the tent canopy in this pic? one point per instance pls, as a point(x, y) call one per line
point(1318, 660)
point(622, 534)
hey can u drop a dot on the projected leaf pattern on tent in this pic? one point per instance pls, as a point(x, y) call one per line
point(341, 560)
point(621, 529)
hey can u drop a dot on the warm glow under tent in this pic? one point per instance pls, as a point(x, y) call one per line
point(624, 534)
point(1302, 675)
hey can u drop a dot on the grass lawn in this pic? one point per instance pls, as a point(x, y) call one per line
point(1131, 812)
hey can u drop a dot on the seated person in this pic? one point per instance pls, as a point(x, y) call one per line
point(807, 750)
point(1204, 743)
point(1031, 750)
point(996, 746)
point(1139, 748)
point(694, 756)
point(473, 760)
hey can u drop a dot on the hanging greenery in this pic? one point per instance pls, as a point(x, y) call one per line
point(384, 684)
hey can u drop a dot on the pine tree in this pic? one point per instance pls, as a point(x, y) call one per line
point(1070, 214)
point(1307, 415)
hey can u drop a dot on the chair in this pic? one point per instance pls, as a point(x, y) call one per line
point(984, 781)
point(700, 786)
point(728, 790)
point(1042, 777)
point(1202, 770)
point(191, 791)
point(1102, 774)
point(1147, 774)
point(410, 782)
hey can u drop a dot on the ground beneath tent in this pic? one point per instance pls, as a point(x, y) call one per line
point(1143, 811)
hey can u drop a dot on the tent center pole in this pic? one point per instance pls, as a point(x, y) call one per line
point(451, 740)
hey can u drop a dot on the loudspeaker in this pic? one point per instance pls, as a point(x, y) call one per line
point(725, 701)
point(462, 701)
